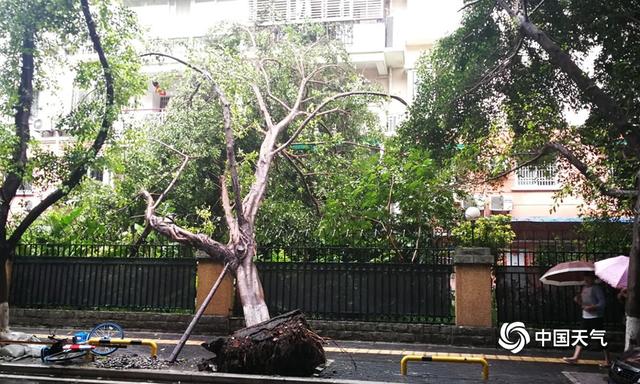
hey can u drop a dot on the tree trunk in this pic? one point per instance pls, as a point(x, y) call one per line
point(5, 257)
point(633, 289)
point(284, 345)
point(250, 289)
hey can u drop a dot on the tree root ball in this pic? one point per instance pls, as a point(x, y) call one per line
point(284, 345)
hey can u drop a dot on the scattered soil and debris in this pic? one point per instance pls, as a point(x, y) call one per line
point(132, 361)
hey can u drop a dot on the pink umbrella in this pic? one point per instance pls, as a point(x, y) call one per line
point(567, 273)
point(613, 271)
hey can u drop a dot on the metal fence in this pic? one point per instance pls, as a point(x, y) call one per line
point(151, 251)
point(85, 283)
point(342, 254)
point(418, 293)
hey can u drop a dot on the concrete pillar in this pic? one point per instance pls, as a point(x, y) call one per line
point(207, 274)
point(473, 286)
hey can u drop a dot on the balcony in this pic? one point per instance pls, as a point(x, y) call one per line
point(537, 177)
point(269, 12)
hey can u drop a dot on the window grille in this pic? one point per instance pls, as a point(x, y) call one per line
point(537, 176)
point(292, 11)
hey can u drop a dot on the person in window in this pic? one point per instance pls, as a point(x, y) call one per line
point(592, 301)
point(157, 89)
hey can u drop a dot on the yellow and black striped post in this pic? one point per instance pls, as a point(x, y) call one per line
point(446, 359)
point(123, 343)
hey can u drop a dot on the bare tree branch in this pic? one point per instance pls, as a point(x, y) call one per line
point(231, 156)
point(263, 106)
point(260, 65)
point(313, 114)
point(228, 213)
point(180, 235)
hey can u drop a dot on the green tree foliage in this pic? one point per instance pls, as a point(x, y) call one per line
point(390, 200)
point(40, 41)
point(493, 232)
point(493, 87)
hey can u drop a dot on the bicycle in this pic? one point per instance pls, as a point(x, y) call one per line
point(61, 350)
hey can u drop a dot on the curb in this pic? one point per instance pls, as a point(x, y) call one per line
point(171, 376)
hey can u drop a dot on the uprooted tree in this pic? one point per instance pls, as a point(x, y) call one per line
point(36, 39)
point(502, 82)
point(295, 79)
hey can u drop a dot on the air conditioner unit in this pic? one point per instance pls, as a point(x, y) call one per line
point(501, 203)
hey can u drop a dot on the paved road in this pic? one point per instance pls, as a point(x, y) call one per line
point(380, 362)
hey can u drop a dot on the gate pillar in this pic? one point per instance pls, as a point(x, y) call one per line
point(207, 274)
point(473, 286)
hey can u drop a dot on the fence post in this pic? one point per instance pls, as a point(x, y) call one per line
point(208, 272)
point(473, 286)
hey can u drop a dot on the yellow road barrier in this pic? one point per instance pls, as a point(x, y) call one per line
point(446, 359)
point(124, 343)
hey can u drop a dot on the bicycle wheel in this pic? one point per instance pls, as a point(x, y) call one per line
point(109, 330)
point(63, 356)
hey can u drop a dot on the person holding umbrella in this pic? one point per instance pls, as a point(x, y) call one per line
point(591, 298)
point(592, 301)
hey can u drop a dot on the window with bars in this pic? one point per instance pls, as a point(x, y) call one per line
point(537, 176)
point(393, 121)
point(291, 11)
point(25, 188)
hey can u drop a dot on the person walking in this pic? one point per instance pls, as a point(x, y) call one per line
point(592, 301)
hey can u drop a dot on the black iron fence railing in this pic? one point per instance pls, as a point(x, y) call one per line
point(88, 283)
point(413, 293)
point(151, 251)
point(544, 257)
point(342, 254)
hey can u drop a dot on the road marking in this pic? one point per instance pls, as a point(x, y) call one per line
point(368, 351)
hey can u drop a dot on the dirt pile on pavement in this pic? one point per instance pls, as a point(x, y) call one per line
point(131, 362)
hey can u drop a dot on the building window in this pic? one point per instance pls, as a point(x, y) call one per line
point(26, 188)
point(413, 83)
point(542, 176)
point(296, 11)
point(393, 121)
point(96, 174)
point(342, 32)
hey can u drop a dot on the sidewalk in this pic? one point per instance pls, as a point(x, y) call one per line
point(372, 361)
